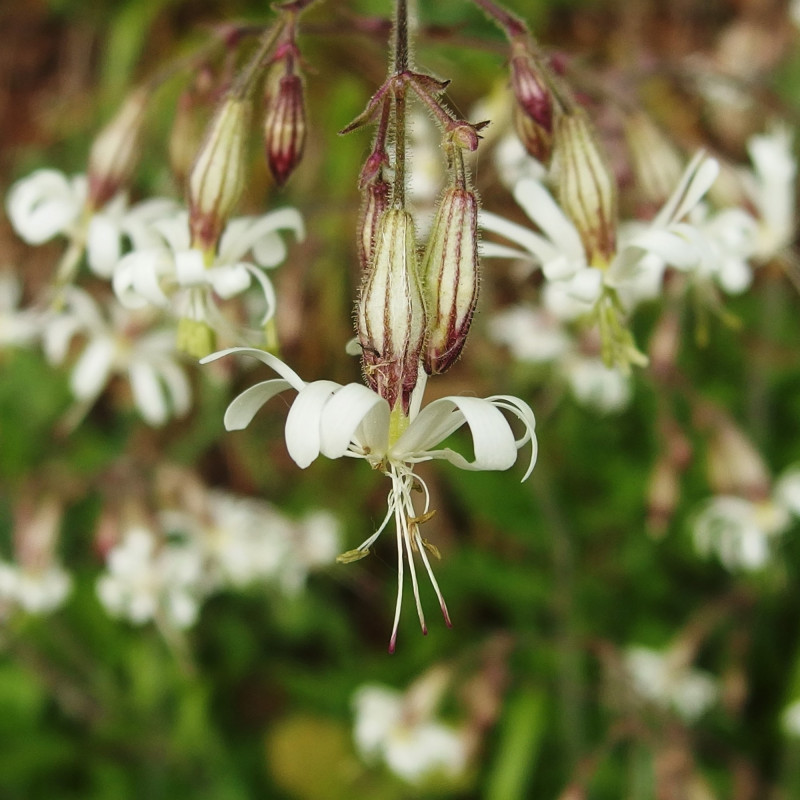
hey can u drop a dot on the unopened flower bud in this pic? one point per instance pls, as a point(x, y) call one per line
point(587, 190)
point(536, 140)
point(217, 178)
point(391, 311)
point(656, 163)
point(376, 201)
point(116, 149)
point(663, 494)
point(285, 127)
point(530, 87)
point(450, 278)
point(186, 135)
point(734, 465)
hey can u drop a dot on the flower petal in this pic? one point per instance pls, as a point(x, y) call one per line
point(345, 412)
point(284, 370)
point(147, 393)
point(93, 369)
point(540, 206)
point(239, 414)
point(493, 440)
point(304, 421)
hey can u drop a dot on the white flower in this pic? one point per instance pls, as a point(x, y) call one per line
point(790, 717)
point(174, 275)
point(560, 253)
point(48, 203)
point(37, 591)
point(413, 745)
point(146, 582)
point(17, 327)
point(531, 335)
point(787, 489)
point(606, 389)
point(120, 345)
point(771, 188)
point(45, 203)
point(334, 420)
point(739, 531)
point(663, 678)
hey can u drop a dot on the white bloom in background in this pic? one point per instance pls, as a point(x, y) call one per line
point(787, 489)
point(538, 337)
point(560, 253)
point(412, 744)
point(771, 187)
point(333, 420)
point(48, 203)
point(175, 276)
point(148, 580)
point(666, 680)
point(790, 717)
point(531, 335)
point(45, 204)
point(738, 531)
point(37, 591)
point(17, 327)
point(245, 541)
point(120, 344)
point(605, 389)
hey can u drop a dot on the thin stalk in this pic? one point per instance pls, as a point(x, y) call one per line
point(512, 26)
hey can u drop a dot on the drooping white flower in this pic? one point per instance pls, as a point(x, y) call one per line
point(175, 276)
point(666, 680)
point(739, 531)
point(245, 541)
point(147, 579)
point(48, 203)
point(771, 187)
point(412, 743)
point(45, 204)
point(18, 327)
point(121, 343)
point(559, 251)
point(333, 420)
point(37, 591)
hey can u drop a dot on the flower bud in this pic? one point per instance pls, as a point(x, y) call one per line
point(734, 465)
point(656, 163)
point(217, 178)
point(587, 190)
point(116, 149)
point(186, 135)
point(450, 278)
point(391, 313)
point(530, 88)
point(285, 127)
point(536, 140)
point(376, 201)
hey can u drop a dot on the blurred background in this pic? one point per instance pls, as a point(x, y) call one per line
point(600, 648)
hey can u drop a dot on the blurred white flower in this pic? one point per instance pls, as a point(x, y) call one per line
point(18, 327)
point(739, 531)
point(790, 717)
point(48, 203)
point(771, 188)
point(150, 579)
point(175, 276)
point(120, 343)
point(45, 204)
point(666, 680)
point(391, 728)
point(37, 591)
point(594, 385)
point(245, 541)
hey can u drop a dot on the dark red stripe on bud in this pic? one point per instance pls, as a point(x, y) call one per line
point(450, 275)
point(376, 201)
point(390, 315)
point(285, 127)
